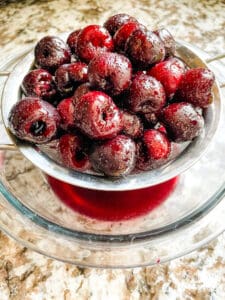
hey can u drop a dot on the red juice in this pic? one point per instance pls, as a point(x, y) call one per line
point(112, 206)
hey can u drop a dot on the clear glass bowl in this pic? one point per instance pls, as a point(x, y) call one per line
point(192, 215)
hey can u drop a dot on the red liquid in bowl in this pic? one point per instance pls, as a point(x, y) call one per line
point(112, 206)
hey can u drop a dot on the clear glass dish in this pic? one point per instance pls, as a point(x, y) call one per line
point(191, 216)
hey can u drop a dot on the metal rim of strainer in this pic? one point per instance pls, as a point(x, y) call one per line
point(12, 93)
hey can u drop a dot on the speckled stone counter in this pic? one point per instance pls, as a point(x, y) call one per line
point(26, 275)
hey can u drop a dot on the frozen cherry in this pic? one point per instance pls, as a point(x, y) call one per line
point(168, 41)
point(144, 48)
point(39, 83)
point(116, 21)
point(110, 72)
point(123, 33)
point(68, 76)
point(132, 125)
point(34, 120)
point(196, 87)
point(72, 41)
point(97, 115)
point(154, 150)
point(114, 157)
point(146, 94)
point(72, 152)
point(169, 72)
point(51, 52)
point(157, 144)
point(81, 90)
point(182, 122)
point(66, 111)
point(92, 40)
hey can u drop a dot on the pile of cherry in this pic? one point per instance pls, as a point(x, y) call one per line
point(113, 98)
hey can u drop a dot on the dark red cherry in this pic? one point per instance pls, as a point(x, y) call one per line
point(39, 83)
point(81, 90)
point(169, 72)
point(93, 40)
point(34, 120)
point(72, 41)
point(71, 148)
point(97, 116)
point(116, 21)
point(144, 48)
point(168, 41)
point(153, 151)
point(51, 52)
point(146, 94)
point(66, 111)
point(115, 157)
point(123, 33)
point(132, 125)
point(157, 144)
point(68, 77)
point(182, 121)
point(196, 87)
point(110, 72)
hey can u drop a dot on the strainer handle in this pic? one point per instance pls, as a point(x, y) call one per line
point(5, 142)
point(214, 59)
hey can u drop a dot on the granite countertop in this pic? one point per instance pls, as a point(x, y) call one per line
point(26, 275)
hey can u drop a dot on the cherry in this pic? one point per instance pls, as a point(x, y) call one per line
point(110, 72)
point(66, 111)
point(68, 76)
point(115, 157)
point(39, 83)
point(146, 94)
point(144, 48)
point(116, 21)
point(72, 41)
point(123, 33)
point(81, 90)
point(182, 122)
point(93, 40)
point(51, 52)
point(196, 87)
point(154, 150)
point(132, 125)
point(169, 72)
point(34, 120)
point(97, 116)
point(168, 41)
point(157, 144)
point(71, 148)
